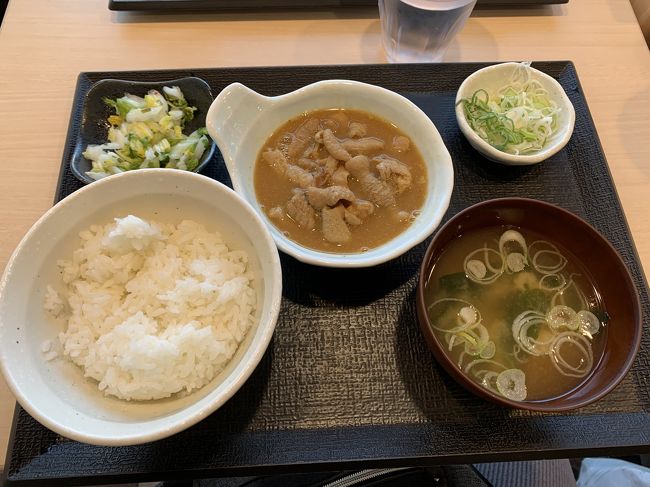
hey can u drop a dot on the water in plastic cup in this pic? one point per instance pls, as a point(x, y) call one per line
point(416, 31)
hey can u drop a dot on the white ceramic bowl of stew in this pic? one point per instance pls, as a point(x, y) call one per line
point(241, 121)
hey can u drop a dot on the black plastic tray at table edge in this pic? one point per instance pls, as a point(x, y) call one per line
point(255, 432)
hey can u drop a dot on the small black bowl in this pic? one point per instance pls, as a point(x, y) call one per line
point(94, 127)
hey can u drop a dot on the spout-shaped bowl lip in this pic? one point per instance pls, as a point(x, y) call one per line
point(219, 112)
point(237, 98)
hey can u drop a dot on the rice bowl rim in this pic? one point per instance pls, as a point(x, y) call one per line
point(263, 329)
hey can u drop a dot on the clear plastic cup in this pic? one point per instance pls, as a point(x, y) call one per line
point(416, 31)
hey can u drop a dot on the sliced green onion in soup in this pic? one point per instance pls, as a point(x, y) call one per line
point(564, 295)
point(479, 265)
point(488, 379)
point(588, 323)
point(562, 317)
point(580, 344)
point(516, 262)
point(552, 282)
point(511, 384)
point(521, 332)
point(464, 313)
point(515, 256)
point(548, 259)
point(476, 269)
point(468, 315)
point(476, 339)
point(476, 362)
point(488, 350)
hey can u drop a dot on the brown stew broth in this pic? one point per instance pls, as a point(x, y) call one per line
point(499, 301)
point(274, 190)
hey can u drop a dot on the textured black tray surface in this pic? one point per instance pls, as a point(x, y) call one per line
point(227, 5)
point(347, 381)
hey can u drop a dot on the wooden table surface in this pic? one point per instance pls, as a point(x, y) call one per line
point(44, 44)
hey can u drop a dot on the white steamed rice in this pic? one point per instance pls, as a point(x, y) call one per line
point(152, 309)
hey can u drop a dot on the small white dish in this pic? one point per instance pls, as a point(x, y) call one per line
point(241, 120)
point(491, 79)
point(55, 392)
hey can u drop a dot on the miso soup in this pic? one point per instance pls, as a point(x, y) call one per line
point(340, 180)
point(517, 313)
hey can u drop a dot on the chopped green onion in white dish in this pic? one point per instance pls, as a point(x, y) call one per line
point(148, 132)
point(518, 118)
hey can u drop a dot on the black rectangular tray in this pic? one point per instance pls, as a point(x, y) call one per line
point(243, 5)
point(348, 381)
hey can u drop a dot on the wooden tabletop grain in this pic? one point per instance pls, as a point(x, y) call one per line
point(45, 44)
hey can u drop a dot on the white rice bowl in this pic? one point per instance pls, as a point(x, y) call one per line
point(51, 387)
point(151, 309)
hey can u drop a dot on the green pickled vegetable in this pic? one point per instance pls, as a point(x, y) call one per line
point(148, 132)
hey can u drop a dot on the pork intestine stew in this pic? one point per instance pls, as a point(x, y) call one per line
point(516, 313)
point(340, 180)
